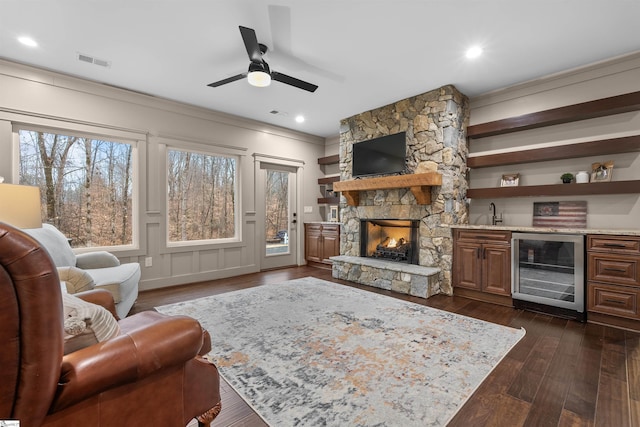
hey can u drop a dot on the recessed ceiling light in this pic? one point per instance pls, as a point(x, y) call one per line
point(27, 41)
point(300, 118)
point(474, 52)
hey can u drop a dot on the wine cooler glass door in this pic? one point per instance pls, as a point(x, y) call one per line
point(549, 269)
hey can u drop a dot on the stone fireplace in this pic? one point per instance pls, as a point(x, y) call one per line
point(390, 239)
point(435, 125)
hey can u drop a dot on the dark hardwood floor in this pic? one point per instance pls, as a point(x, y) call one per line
point(562, 373)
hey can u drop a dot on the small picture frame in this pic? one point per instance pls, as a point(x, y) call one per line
point(510, 180)
point(602, 172)
point(333, 213)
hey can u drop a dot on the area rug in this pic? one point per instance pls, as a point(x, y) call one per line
point(308, 352)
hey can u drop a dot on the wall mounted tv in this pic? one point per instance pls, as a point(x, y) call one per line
point(380, 156)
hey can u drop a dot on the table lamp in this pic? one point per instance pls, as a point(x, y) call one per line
point(20, 206)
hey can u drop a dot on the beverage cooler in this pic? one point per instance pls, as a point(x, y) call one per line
point(548, 273)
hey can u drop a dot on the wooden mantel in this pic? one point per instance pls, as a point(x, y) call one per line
point(419, 183)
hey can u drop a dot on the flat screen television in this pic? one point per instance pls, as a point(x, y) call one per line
point(380, 156)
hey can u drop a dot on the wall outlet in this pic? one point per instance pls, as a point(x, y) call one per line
point(148, 261)
point(308, 209)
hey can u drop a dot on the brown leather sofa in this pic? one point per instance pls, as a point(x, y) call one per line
point(152, 373)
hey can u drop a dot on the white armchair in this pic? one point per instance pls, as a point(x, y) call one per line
point(99, 269)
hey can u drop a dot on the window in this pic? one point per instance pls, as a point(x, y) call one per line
point(85, 184)
point(201, 196)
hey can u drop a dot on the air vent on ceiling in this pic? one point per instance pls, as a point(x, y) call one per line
point(91, 60)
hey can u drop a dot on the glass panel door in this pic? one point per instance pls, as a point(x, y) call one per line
point(280, 226)
point(546, 269)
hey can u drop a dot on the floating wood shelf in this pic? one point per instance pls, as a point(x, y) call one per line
point(570, 113)
point(328, 180)
point(328, 200)
point(329, 160)
point(593, 188)
point(571, 151)
point(420, 185)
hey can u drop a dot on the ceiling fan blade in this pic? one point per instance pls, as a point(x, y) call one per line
point(283, 78)
point(228, 80)
point(251, 43)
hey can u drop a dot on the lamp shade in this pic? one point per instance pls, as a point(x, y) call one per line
point(20, 206)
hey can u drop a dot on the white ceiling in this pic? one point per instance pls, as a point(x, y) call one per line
point(361, 53)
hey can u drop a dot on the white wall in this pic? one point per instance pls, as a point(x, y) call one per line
point(332, 146)
point(603, 80)
point(33, 96)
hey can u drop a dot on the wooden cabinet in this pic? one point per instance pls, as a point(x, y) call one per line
point(321, 241)
point(482, 265)
point(613, 280)
point(496, 269)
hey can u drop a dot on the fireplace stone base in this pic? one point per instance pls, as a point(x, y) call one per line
point(409, 279)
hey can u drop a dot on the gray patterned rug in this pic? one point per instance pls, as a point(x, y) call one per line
point(308, 352)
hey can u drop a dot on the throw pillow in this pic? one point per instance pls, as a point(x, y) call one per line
point(75, 279)
point(96, 259)
point(86, 324)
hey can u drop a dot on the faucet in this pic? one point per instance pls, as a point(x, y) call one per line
point(495, 220)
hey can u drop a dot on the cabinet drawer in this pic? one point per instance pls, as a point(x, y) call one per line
point(484, 235)
point(317, 228)
point(616, 269)
point(614, 300)
point(618, 244)
point(331, 228)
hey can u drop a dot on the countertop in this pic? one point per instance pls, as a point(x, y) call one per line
point(322, 222)
point(525, 229)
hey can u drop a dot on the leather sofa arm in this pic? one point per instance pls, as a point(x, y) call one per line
point(100, 297)
point(144, 350)
point(97, 259)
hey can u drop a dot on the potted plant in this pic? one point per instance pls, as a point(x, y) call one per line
point(567, 178)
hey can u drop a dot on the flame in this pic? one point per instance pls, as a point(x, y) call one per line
point(392, 243)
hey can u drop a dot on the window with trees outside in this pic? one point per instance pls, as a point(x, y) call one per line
point(201, 196)
point(86, 185)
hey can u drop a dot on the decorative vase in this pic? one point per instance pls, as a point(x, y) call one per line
point(566, 180)
point(582, 177)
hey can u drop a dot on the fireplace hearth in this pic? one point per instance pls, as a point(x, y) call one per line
point(389, 239)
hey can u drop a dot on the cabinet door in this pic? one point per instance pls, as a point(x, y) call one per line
point(496, 269)
point(466, 272)
point(330, 242)
point(312, 242)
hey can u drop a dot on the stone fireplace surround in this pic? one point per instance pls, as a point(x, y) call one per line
point(435, 123)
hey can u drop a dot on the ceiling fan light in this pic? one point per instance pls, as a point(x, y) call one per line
point(259, 78)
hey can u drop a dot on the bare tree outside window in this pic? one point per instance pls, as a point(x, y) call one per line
point(201, 196)
point(277, 202)
point(85, 184)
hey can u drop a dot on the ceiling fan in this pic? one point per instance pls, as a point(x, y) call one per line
point(259, 73)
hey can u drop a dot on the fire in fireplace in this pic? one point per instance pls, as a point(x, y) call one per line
point(389, 239)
